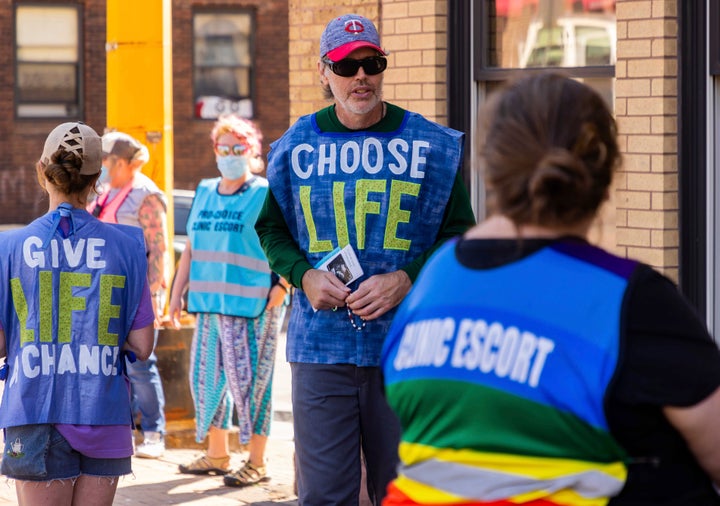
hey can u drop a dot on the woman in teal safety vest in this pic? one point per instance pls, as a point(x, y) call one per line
point(239, 303)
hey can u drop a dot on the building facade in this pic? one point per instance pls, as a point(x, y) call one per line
point(227, 56)
point(656, 61)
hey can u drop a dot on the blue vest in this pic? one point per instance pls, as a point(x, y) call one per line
point(383, 193)
point(229, 273)
point(522, 328)
point(503, 373)
point(67, 306)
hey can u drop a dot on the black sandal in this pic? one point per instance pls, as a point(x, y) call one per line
point(246, 475)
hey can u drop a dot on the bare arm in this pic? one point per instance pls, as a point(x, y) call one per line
point(182, 277)
point(277, 293)
point(140, 342)
point(153, 219)
point(698, 424)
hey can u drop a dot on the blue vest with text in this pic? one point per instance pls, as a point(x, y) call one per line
point(67, 305)
point(504, 371)
point(384, 193)
point(229, 273)
point(520, 323)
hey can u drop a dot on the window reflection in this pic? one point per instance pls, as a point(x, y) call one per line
point(551, 33)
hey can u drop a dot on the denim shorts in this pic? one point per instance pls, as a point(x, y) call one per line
point(41, 453)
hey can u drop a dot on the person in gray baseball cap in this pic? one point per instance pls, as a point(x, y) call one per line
point(132, 198)
point(366, 176)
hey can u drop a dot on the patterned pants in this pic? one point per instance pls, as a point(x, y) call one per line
point(231, 362)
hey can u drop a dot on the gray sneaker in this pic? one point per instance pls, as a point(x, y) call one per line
point(152, 447)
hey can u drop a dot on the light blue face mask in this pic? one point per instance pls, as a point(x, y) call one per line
point(104, 175)
point(232, 166)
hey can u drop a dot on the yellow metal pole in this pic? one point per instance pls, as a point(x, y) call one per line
point(139, 83)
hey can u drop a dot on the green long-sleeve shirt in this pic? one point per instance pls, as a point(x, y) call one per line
point(282, 251)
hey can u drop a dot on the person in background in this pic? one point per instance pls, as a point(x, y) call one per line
point(240, 306)
point(132, 198)
point(74, 299)
point(365, 173)
point(528, 366)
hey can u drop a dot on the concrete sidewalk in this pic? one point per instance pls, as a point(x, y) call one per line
point(157, 482)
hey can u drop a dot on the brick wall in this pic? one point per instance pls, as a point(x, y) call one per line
point(307, 20)
point(646, 111)
point(194, 158)
point(21, 141)
point(414, 32)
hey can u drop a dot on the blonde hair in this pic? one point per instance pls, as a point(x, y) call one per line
point(239, 127)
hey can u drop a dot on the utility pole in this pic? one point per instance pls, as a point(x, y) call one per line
point(139, 83)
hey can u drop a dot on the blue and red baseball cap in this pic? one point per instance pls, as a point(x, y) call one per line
point(345, 34)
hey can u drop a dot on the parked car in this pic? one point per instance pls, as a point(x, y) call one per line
point(182, 200)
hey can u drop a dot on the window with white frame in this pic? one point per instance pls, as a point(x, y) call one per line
point(223, 63)
point(47, 61)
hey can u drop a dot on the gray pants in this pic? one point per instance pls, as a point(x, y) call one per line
point(337, 411)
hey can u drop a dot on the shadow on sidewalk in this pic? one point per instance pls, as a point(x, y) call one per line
point(158, 481)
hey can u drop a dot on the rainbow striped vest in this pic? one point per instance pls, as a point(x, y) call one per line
point(499, 378)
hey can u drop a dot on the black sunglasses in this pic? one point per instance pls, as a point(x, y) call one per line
point(348, 67)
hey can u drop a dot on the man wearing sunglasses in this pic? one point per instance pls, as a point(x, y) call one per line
point(386, 181)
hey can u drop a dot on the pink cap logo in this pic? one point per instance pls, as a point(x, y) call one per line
point(354, 26)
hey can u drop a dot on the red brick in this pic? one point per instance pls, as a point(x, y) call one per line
point(21, 140)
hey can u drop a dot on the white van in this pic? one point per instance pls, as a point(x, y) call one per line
point(575, 40)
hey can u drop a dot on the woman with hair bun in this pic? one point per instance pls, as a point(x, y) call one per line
point(74, 301)
point(530, 367)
